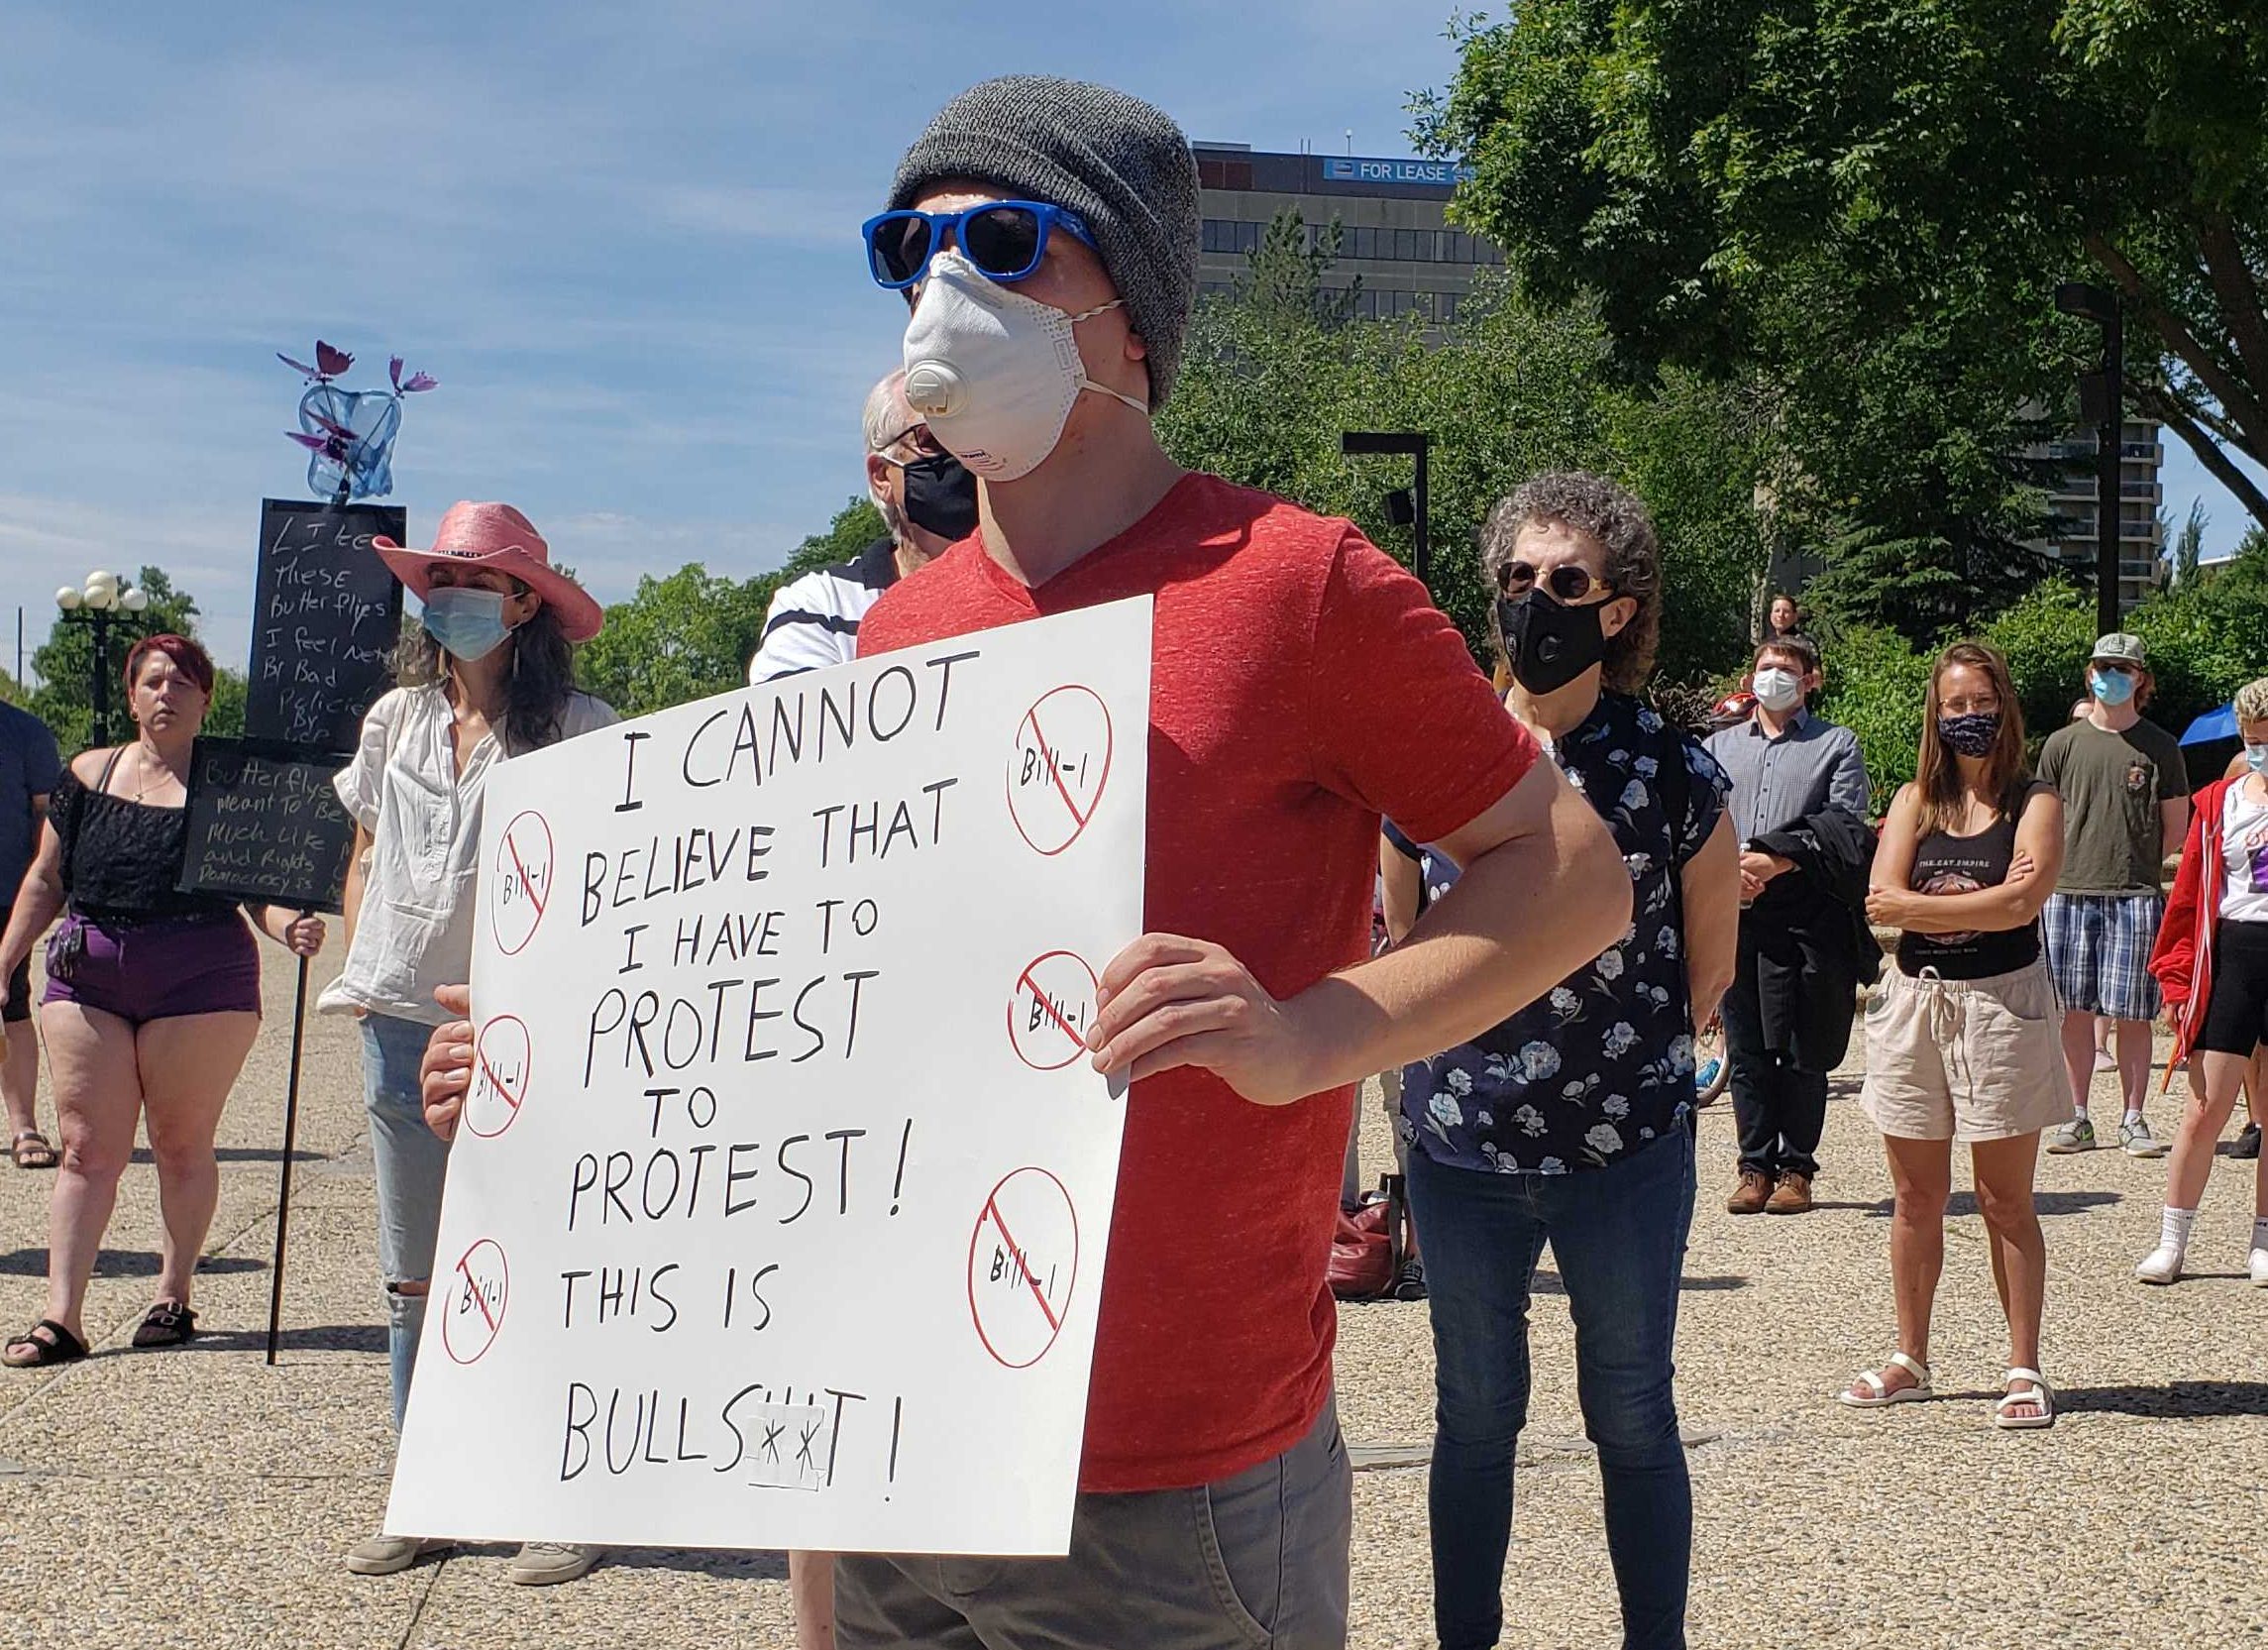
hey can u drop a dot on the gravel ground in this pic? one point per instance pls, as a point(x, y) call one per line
point(202, 1499)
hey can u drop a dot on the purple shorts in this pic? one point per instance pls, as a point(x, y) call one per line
point(160, 969)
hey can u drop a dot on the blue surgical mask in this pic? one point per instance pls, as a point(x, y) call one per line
point(2256, 757)
point(2111, 687)
point(469, 623)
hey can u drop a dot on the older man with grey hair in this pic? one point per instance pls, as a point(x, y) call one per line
point(927, 502)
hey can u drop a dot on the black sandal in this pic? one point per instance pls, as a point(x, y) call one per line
point(33, 1150)
point(167, 1324)
point(66, 1348)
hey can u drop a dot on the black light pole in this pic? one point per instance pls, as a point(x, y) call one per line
point(99, 605)
point(1401, 508)
point(2101, 402)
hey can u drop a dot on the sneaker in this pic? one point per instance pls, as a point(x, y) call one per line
point(2076, 1135)
point(1751, 1195)
point(2136, 1141)
point(2258, 1267)
point(1410, 1282)
point(389, 1555)
point(2248, 1143)
point(548, 1563)
point(2105, 1060)
point(2163, 1264)
point(1792, 1196)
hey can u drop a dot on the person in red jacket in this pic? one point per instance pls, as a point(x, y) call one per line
point(2211, 964)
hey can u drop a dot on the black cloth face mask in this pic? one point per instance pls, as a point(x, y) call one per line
point(1549, 644)
point(941, 496)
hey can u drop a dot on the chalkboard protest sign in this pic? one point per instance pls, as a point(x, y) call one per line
point(777, 1211)
point(266, 824)
point(325, 616)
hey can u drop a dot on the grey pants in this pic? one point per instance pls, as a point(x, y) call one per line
point(1254, 1562)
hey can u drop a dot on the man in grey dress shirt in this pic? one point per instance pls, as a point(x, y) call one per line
point(1799, 803)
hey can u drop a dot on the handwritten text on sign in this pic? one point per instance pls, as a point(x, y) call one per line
point(782, 1169)
point(326, 612)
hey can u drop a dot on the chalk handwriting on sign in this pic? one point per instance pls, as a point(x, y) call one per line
point(804, 1247)
point(326, 614)
point(265, 823)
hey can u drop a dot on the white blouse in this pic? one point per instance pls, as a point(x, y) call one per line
point(414, 931)
point(2243, 857)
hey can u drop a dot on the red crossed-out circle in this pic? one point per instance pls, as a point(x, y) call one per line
point(501, 1059)
point(1050, 1010)
point(1023, 1263)
point(1056, 771)
point(480, 1288)
point(522, 887)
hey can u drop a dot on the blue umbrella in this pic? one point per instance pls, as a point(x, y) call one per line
point(2214, 724)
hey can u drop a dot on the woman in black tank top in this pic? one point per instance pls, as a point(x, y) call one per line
point(1962, 1041)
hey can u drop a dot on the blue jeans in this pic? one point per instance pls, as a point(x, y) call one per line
point(408, 1161)
point(1618, 1236)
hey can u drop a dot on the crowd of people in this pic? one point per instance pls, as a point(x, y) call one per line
point(1572, 888)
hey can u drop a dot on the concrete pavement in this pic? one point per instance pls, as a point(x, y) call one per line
point(197, 1498)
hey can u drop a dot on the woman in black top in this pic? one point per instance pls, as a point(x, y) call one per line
point(153, 997)
point(1962, 1043)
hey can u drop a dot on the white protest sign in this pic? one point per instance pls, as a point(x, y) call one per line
point(777, 1213)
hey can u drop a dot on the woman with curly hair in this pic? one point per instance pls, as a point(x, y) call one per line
point(1571, 1121)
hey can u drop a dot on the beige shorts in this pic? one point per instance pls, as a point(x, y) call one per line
point(1965, 1059)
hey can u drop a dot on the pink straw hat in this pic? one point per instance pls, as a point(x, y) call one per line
point(497, 536)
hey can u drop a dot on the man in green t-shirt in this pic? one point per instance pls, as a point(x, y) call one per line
point(2125, 806)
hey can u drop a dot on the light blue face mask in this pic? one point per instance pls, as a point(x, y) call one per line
point(2257, 757)
point(2111, 687)
point(467, 623)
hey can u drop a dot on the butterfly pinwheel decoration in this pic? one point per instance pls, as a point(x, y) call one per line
point(350, 432)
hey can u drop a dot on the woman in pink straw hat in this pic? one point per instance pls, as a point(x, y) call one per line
point(486, 675)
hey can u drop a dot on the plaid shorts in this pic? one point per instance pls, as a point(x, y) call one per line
point(2099, 953)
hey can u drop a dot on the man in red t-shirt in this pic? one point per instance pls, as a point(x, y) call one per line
point(1302, 686)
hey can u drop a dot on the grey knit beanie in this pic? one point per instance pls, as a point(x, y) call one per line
point(1119, 162)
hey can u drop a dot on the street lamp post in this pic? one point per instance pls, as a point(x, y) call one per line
point(2101, 402)
point(98, 603)
point(1402, 508)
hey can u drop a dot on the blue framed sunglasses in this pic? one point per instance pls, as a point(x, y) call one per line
point(1005, 239)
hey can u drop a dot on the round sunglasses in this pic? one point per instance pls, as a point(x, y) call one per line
point(1566, 584)
point(1004, 238)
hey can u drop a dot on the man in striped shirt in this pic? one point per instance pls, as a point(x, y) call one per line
point(927, 502)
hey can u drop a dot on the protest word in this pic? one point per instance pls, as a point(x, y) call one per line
point(325, 616)
point(777, 1212)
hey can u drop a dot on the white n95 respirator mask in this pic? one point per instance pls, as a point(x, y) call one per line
point(992, 372)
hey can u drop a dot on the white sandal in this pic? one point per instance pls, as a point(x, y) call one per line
point(1880, 1394)
point(2041, 1397)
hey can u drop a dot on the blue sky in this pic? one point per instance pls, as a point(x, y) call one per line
point(624, 239)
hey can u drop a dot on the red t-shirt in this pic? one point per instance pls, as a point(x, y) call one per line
point(1301, 686)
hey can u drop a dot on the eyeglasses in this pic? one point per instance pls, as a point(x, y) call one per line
point(1004, 238)
point(1566, 584)
point(918, 437)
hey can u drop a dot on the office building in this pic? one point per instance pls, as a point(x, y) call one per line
point(1392, 213)
point(2072, 504)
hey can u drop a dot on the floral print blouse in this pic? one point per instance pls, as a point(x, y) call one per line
point(1604, 1064)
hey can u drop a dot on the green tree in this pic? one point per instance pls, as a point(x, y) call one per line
point(1869, 201)
point(1504, 392)
point(2189, 544)
point(1284, 276)
point(855, 526)
point(686, 636)
point(64, 664)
